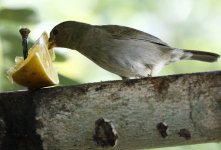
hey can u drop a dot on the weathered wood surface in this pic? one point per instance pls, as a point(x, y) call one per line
point(63, 118)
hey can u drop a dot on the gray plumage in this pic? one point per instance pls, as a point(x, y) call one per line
point(124, 51)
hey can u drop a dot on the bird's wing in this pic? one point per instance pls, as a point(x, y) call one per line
point(121, 33)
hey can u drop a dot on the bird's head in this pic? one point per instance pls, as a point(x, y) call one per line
point(67, 34)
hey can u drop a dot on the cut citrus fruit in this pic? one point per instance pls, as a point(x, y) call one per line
point(36, 70)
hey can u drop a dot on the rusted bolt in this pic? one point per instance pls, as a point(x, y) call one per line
point(105, 133)
point(162, 128)
point(184, 133)
point(24, 34)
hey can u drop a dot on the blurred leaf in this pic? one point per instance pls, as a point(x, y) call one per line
point(15, 44)
point(67, 81)
point(24, 15)
point(130, 8)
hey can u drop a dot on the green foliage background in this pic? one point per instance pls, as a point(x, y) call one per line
point(181, 23)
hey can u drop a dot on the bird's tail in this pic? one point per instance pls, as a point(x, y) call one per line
point(202, 56)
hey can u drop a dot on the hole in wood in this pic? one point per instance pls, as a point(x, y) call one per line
point(105, 133)
point(185, 133)
point(162, 128)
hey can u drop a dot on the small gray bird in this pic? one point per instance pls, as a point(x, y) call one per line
point(124, 51)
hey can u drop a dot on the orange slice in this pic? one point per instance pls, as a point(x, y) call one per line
point(36, 70)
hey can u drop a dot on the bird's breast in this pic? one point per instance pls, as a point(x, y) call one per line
point(123, 57)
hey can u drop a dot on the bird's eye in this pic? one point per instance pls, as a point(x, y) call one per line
point(55, 31)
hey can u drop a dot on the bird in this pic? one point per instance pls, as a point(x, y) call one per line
point(125, 51)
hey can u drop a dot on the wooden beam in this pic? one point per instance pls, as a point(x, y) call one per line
point(133, 114)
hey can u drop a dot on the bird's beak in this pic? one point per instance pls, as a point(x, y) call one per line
point(51, 43)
